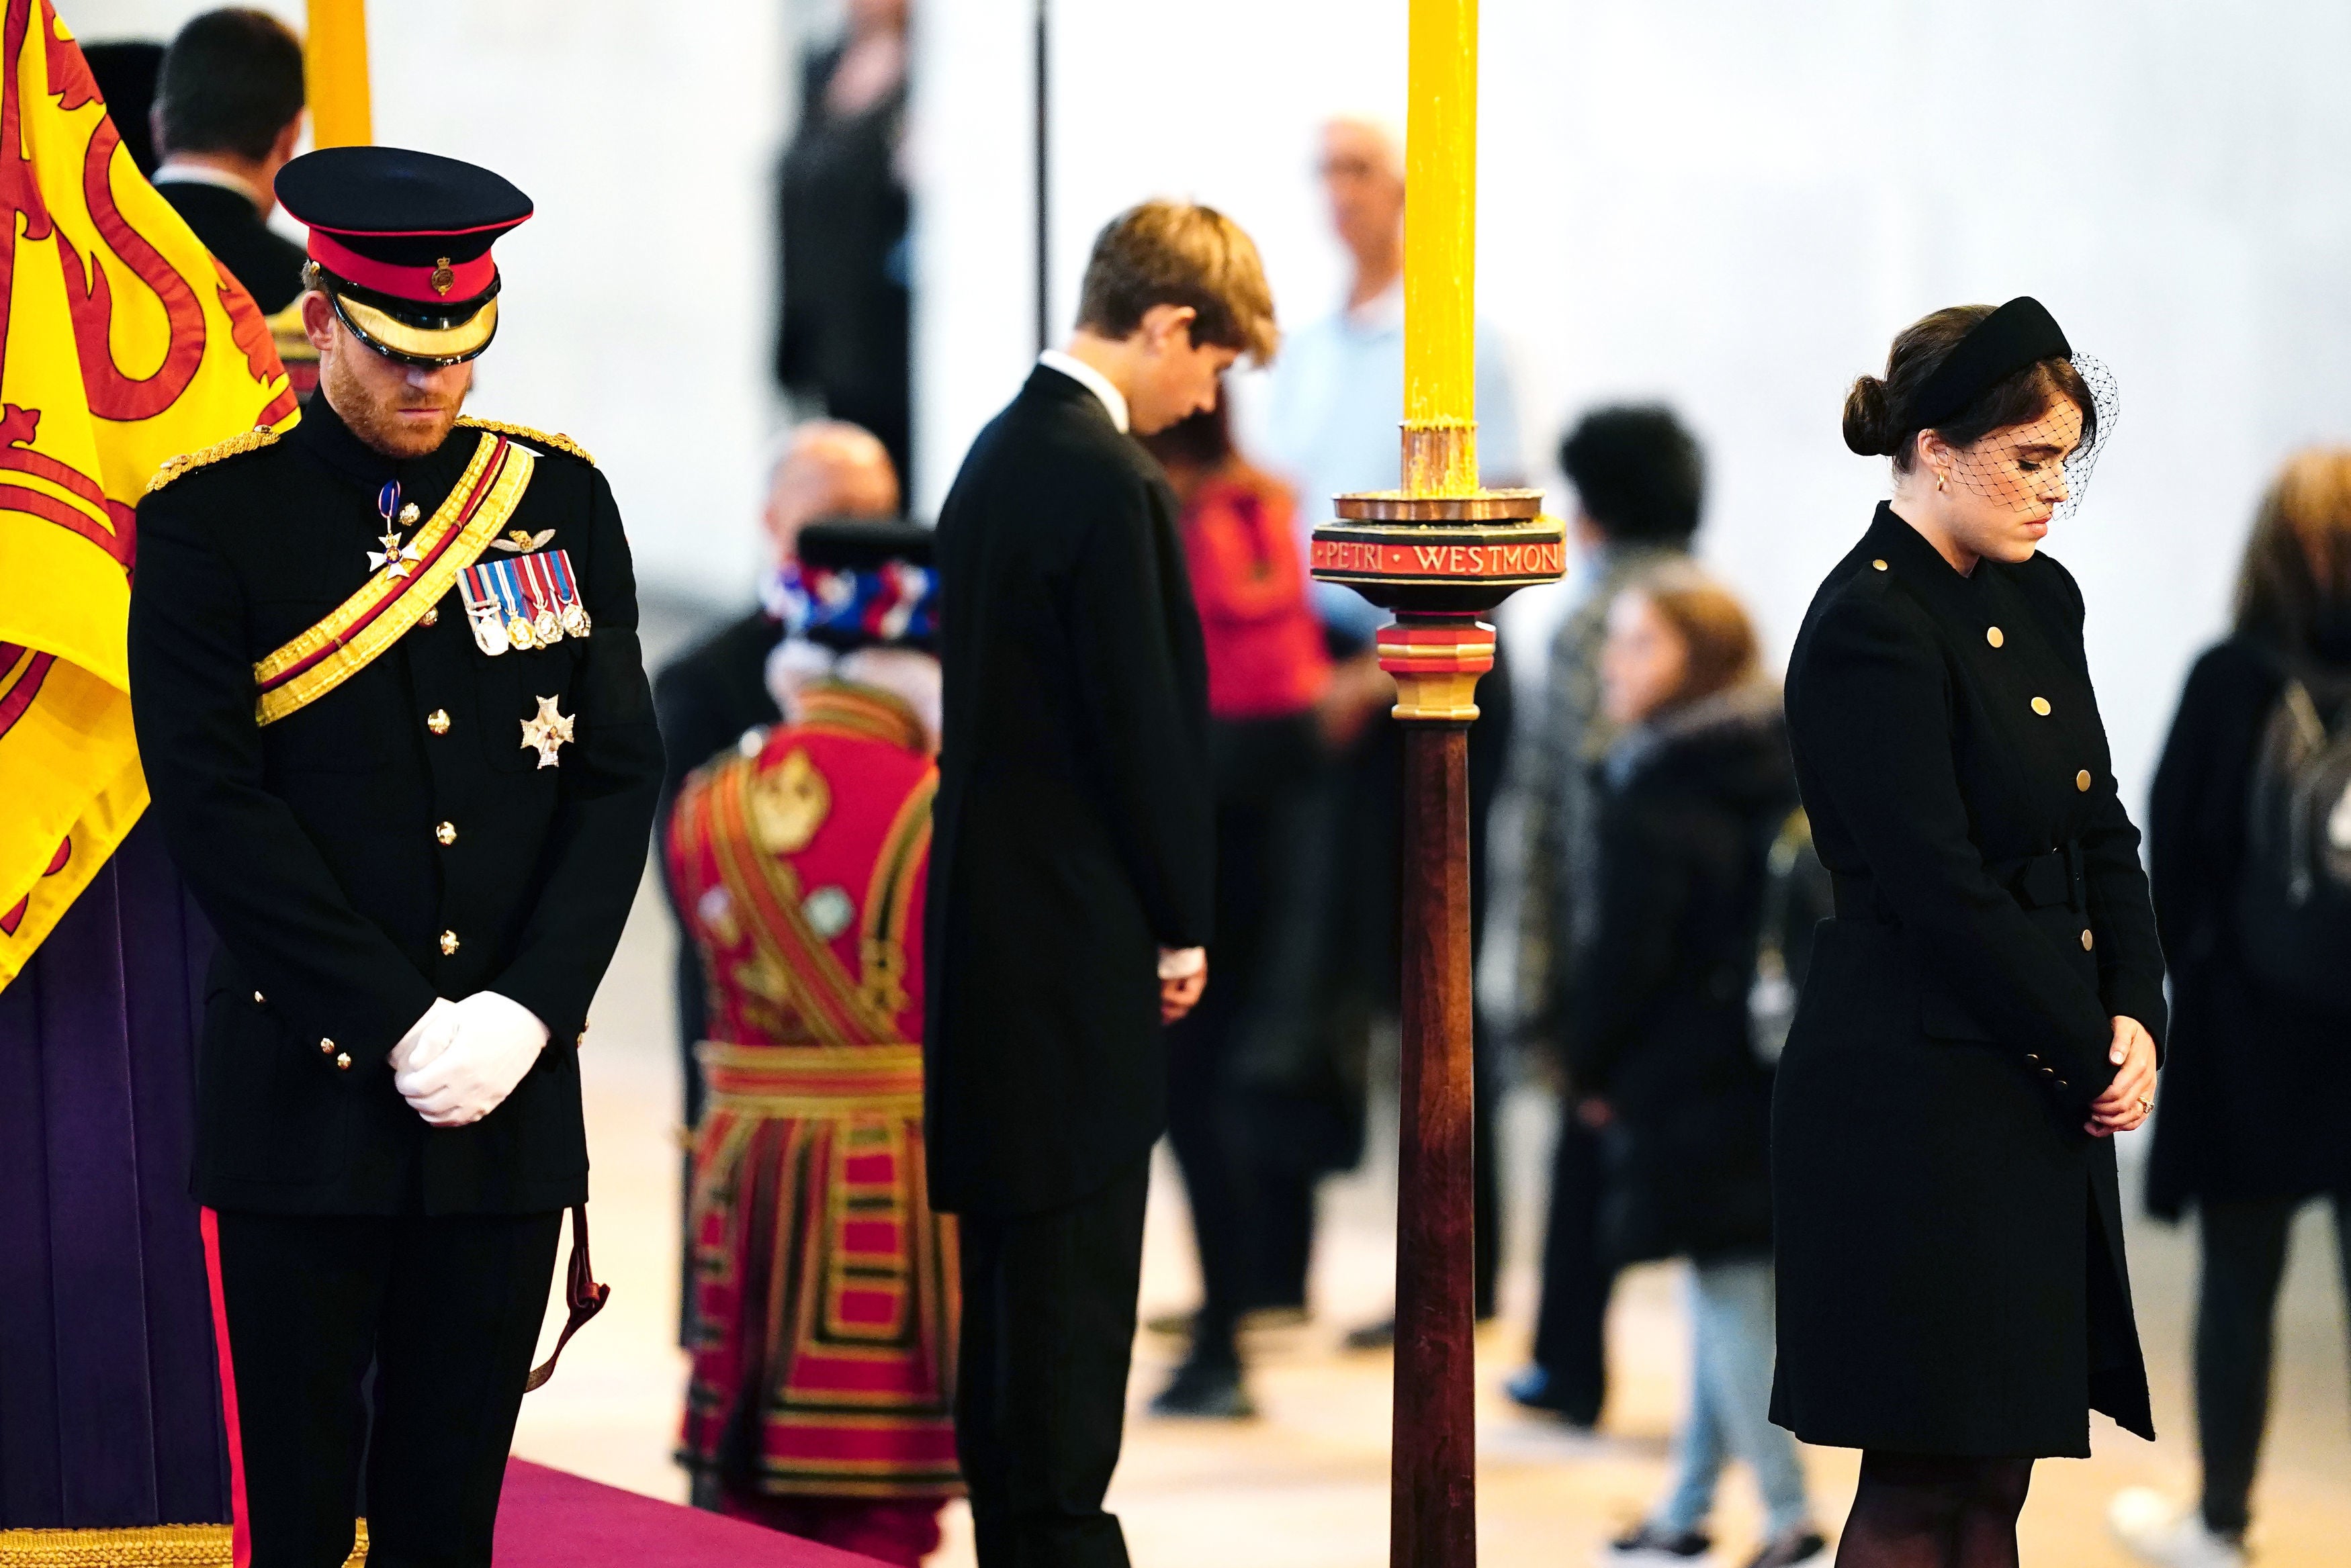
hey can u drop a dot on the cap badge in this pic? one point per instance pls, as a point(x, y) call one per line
point(546, 733)
point(443, 278)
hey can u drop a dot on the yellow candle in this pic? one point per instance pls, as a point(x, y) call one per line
point(335, 71)
point(1440, 397)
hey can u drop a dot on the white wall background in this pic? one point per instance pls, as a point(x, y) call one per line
point(1728, 205)
point(639, 300)
point(1734, 207)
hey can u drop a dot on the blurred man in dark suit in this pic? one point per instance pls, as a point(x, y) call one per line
point(228, 110)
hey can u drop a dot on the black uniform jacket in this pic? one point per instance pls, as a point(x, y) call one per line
point(314, 844)
point(1073, 831)
point(1949, 1240)
point(1656, 1023)
point(267, 262)
point(2245, 1063)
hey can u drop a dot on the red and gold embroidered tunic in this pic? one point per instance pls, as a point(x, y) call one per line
point(825, 1289)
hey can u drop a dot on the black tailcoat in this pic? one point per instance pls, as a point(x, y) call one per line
point(1949, 1240)
point(265, 261)
point(312, 843)
point(1074, 833)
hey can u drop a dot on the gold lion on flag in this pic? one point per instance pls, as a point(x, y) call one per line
point(123, 344)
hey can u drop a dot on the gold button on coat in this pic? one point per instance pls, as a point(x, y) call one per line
point(2040, 706)
point(257, 997)
point(1995, 636)
point(448, 942)
point(326, 1047)
point(431, 616)
point(446, 832)
point(437, 721)
point(344, 1062)
point(2087, 940)
point(2082, 781)
point(1879, 565)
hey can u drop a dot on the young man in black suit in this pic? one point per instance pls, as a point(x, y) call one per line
point(228, 110)
point(1072, 866)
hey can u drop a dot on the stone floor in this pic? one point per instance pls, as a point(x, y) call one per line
point(1306, 1485)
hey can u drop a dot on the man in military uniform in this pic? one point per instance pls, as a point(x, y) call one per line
point(390, 699)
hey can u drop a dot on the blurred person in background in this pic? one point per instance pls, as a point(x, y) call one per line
point(712, 696)
point(1689, 800)
point(228, 113)
point(2249, 851)
point(1232, 1059)
point(822, 1396)
point(1334, 403)
point(1640, 487)
point(126, 70)
point(1982, 1015)
point(1330, 422)
point(842, 342)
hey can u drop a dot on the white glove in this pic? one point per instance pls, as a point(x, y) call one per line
point(1182, 963)
point(426, 1038)
point(494, 1043)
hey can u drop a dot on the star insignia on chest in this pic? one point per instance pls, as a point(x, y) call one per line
point(394, 559)
point(520, 541)
point(546, 733)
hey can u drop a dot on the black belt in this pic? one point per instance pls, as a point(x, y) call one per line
point(2042, 881)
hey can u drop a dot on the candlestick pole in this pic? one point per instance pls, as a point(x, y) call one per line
point(335, 73)
point(1439, 551)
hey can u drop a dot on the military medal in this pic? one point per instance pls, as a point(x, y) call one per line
point(484, 613)
point(546, 733)
point(393, 560)
point(525, 602)
point(567, 608)
point(538, 584)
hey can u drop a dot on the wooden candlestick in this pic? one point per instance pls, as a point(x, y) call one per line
point(1439, 551)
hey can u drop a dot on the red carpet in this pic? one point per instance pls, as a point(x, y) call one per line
point(551, 1519)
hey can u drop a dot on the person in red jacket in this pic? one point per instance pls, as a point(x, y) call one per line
point(1268, 672)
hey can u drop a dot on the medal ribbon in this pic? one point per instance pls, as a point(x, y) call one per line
point(364, 626)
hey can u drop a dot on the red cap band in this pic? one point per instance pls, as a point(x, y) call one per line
point(459, 281)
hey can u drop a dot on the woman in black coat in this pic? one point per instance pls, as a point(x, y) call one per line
point(1983, 1012)
point(1658, 1039)
point(2260, 978)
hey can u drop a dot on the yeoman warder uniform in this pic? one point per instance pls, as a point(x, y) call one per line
point(824, 1330)
point(398, 735)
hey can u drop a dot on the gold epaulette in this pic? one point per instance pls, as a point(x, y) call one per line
point(254, 439)
point(556, 440)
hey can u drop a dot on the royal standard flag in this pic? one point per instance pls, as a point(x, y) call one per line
point(123, 344)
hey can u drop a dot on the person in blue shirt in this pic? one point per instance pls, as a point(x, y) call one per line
point(1328, 422)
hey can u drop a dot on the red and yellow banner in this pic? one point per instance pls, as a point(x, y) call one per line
point(123, 344)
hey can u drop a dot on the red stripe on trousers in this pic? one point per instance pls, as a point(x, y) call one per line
point(240, 1531)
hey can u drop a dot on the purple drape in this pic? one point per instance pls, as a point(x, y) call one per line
point(109, 1398)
